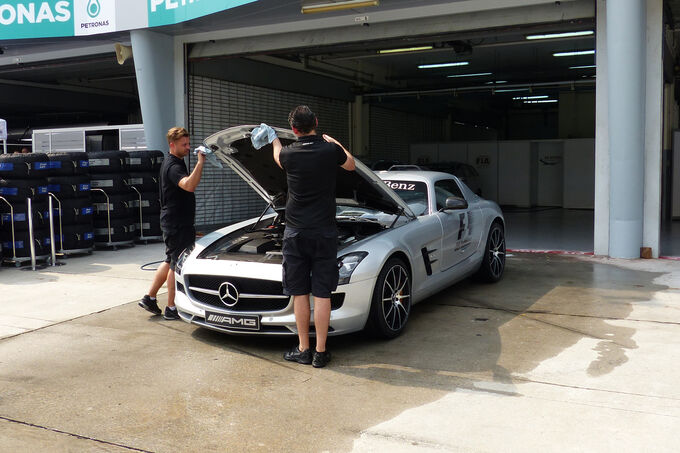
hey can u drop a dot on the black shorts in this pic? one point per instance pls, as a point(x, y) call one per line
point(176, 242)
point(310, 263)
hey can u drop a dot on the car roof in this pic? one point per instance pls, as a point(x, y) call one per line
point(414, 175)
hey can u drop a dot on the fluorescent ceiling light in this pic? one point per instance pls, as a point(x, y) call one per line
point(443, 65)
point(588, 66)
point(478, 74)
point(543, 101)
point(337, 6)
point(524, 98)
point(575, 53)
point(405, 49)
point(495, 82)
point(510, 90)
point(568, 34)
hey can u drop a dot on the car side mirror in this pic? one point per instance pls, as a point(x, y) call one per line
point(455, 203)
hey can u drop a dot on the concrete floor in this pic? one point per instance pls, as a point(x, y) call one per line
point(564, 354)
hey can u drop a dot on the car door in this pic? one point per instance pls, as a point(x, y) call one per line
point(455, 224)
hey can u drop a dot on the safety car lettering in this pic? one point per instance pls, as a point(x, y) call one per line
point(400, 185)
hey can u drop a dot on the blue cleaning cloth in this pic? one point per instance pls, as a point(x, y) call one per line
point(209, 155)
point(262, 135)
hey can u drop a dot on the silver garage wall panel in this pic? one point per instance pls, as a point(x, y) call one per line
point(222, 197)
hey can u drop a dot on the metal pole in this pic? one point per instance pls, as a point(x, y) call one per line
point(51, 215)
point(141, 218)
point(29, 208)
point(11, 219)
point(4, 146)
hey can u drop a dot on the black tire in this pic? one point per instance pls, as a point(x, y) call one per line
point(143, 161)
point(493, 263)
point(150, 228)
point(110, 182)
point(119, 205)
point(22, 244)
point(157, 159)
point(107, 161)
point(17, 190)
point(151, 203)
point(75, 186)
point(74, 210)
point(391, 301)
point(121, 230)
point(66, 164)
point(76, 237)
point(24, 166)
point(144, 182)
point(40, 216)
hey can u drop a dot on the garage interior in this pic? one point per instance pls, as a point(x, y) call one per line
point(515, 103)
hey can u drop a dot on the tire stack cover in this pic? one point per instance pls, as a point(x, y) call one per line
point(22, 177)
point(73, 211)
point(144, 167)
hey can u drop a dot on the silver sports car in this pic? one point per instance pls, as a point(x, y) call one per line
point(402, 236)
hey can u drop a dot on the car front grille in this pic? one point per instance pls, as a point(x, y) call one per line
point(255, 295)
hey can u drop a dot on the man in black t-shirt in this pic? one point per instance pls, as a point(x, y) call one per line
point(178, 208)
point(310, 240)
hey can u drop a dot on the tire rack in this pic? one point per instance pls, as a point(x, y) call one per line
point(61, 250)
point(110, 243)
point(18, 261)
point(143, 238)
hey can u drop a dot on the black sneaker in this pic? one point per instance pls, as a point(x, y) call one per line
point(170, 315)
point(149, 305)
point(295, 355)
point(321, 359)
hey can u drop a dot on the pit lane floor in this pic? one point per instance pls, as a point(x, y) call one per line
point(564, 354)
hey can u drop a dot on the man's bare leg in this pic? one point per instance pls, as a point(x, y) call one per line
point(302, 314)
point(322, 318)
point(171, 287)
point(159, 279)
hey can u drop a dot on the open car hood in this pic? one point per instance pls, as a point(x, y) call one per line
point(361, 187)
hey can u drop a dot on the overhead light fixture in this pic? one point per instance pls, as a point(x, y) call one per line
point(526, 98)
point(588, 66)
point(510, 90)
point(405, 49)
point(443, 65)
point(542, 101)
point(495, 82)
point(575, 53)
point(569, 34)
point(478, 74)
point(338, 6)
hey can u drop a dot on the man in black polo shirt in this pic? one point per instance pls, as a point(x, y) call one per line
point(178, 209)
point(310, 240)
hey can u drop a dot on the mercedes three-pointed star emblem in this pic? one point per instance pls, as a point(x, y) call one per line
point(228, 294)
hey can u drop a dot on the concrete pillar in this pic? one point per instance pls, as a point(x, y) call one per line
point(654, 102)
point(601, 227)
point(626, 37)
point(154, 55)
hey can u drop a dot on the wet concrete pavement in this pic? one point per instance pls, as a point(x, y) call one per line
point(564, 354)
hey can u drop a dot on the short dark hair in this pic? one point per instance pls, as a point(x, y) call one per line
point(302, 119)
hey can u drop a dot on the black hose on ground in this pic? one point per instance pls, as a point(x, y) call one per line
point(145, 266)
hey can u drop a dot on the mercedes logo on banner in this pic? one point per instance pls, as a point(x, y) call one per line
point(228, 294)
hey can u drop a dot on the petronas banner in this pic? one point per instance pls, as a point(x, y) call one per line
point(21, 19)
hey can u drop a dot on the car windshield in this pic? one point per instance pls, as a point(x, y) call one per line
point(414, 193)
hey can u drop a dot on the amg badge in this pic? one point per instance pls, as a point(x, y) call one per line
point(241, 322)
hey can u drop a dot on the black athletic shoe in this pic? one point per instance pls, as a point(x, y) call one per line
point(321, 359)
point(295, 355)
point(149, 305)
point(170, 315)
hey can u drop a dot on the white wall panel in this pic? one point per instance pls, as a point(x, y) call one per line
point(514, 175)
point(484, 157)
point(550, 173)
point(579, 173)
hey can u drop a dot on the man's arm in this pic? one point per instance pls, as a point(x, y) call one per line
point(189, 183)
point(349, 163)
point(276, 144)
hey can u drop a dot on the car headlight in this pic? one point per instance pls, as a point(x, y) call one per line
point(182, 258)
point(347, 264)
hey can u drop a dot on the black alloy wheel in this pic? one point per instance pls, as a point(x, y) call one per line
point(391, 303)
point(493, 263)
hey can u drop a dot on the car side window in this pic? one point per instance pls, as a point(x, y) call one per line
point(444, 189)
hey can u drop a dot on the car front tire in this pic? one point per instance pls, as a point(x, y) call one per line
point(493, 262)
point(391, 301)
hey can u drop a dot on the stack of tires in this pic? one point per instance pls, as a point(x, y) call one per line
point(69, 182)
point(144, 167)
point(112, 198)
point(24, 176)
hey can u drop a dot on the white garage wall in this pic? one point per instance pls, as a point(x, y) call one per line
point(579, 174)
point(550, 173)
point(222, 197)
point(515, 175)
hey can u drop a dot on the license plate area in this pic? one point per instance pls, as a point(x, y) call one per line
point(229, 321)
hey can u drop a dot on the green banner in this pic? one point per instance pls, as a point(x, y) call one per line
point(21, 19)
point(166, 12)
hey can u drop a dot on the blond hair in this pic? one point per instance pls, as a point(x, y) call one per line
point(176, 133)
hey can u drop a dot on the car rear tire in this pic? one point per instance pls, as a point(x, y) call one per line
point(493, 263)
point(391, 301)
